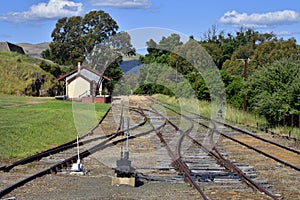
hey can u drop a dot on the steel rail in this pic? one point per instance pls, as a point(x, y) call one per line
point(178, 161)
point(244, 144)
point(261, 152)
point(230, 166)
point(55, 168)
point(263, 139)
point(226, 163)
point(230, 126)
point(70, 144)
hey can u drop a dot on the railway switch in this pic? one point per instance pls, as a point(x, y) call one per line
point(124, 172)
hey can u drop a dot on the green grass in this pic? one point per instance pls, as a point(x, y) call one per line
point(232, 115)
point(239, 116)
point(18, 72)
point(29, 125)
point(209, 110)
point(188, 105)
point(288, 131)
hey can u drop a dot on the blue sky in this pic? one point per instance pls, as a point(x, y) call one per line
point(32, 21)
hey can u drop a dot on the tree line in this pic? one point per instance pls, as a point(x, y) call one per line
point(273, 71)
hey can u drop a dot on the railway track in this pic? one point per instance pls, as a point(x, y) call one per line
point(173, 147)
point(65, 155)
point(177, 161)
point(261, 145)
point(286, 156)
point(191, 157)
point(57, 149)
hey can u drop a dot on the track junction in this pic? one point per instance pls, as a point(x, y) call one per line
point(218, 160)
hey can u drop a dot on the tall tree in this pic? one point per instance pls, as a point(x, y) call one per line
point(214, 50)
point(97, 26)
point(191, 57)
point(167, 44)
point(66, 35)
point(73, 38)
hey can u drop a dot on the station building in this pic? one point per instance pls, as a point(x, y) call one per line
point(84, 84)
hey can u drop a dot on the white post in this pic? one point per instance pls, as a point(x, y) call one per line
point(127, 138)
point(78, 67)
point(78, 159)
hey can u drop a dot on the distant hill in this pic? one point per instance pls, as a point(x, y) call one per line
point(34, 50)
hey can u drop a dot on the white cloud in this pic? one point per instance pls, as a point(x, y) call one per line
point(52, 10)
point(263, 20)
point(122, 3)
point(283, 33)
point(287, 33)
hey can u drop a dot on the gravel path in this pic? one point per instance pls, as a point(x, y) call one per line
point(93, 187)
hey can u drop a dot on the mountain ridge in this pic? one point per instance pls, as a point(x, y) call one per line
point(34, 50)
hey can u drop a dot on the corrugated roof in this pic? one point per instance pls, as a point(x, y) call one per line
point(83, 74)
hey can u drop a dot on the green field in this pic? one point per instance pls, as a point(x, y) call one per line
point(29, 125)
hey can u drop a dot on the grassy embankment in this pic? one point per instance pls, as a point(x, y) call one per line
point(29, 125)
point(18, 73)
point(232, 115)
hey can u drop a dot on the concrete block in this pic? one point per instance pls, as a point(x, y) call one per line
point(123, 181)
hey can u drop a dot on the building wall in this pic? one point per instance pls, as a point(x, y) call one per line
point(102, 99)
point(77, 87)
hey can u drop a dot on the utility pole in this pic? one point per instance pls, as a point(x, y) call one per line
point(176, 76)
point(245, 80)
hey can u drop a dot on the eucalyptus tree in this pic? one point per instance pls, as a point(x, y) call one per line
point(73, 38)
point(66, 45)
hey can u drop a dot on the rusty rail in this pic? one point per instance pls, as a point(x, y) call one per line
point(70, 144)
point(242, 143)
point(55, 168)
point(53, 150)
point(230, 166)
point(178, 162)
point(214, 153)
